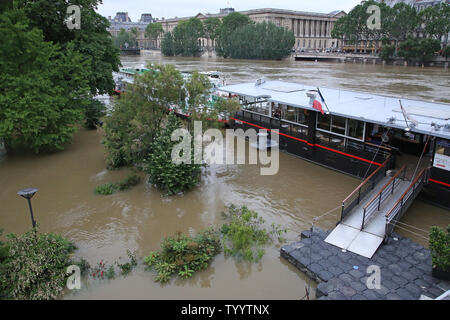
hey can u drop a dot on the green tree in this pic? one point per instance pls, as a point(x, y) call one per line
point(43, 91)
point(436, 20)
point(387, 52)
point(230, 23)
point(154, 30)
point(92, 40)
point(166, 175)
point(261, 41)
point(421, 49)
point(168, 44)
point(211, 27)
point(186, 37)
point(139, 114)
point(125, 39)
point(402, 23)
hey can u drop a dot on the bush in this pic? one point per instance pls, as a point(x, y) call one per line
point(183, 255)
point(387, 52)
point(35, 266)
point(106, 189)
point(130, 181)
point(125, 184)
point(440, 248)
point(93, 112)
point(244, 235)
point(446, 52)
point(167, 176)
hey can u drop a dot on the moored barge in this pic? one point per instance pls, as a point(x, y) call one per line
point(355, 133)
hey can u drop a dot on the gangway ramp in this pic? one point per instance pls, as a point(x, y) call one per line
point(363, 229)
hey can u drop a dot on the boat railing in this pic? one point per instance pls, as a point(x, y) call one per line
point(388, 189)
point(354, 198)
point(405, 201)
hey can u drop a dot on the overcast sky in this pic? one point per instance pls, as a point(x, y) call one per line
point(186, 8)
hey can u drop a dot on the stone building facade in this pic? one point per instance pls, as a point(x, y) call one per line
point(312, 30)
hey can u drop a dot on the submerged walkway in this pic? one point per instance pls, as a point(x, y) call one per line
point(349, 235)
point(405, 269)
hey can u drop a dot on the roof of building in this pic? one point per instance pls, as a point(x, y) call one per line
point(262, 11)
point(355, 105)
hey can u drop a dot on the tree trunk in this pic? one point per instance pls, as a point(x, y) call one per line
point(396, 48)
point(8, 147)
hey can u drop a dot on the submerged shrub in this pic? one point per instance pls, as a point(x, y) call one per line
point(244, 236)
point(125, 184)
point(166, 175)
point(183, 255)
point(440, 247)
point(35, 266)
point(106, 189)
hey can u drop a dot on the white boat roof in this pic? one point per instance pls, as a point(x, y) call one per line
point(355, 105)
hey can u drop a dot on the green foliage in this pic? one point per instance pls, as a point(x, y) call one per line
point(93, 41)
point(439, 242)
point(212, 27)
point(183, 255)
point(261, 41)
point(421, 49)
point(167, 176)
point(125, 39)
point(244, 236)
point(446, 51)
point(153, 30)
point(230, 24)
point(185, 37)
point(436, 20)
point(136, 119)
point(168, 45)
point(43, 91)
point(127, 267)
point(93, 112)
point(106, 189)
point(387, 52)
point(125, 184)
point(35, 267)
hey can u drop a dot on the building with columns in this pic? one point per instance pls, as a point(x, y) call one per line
point(312, 30)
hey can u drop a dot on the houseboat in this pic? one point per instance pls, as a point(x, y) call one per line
point(354, 132)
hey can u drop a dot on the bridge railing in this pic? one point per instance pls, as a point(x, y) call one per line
point(405, 201)
point(388, 189)
point(354, 198)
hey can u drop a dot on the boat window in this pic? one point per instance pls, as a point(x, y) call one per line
point(323, 121)
point(355, 128)
point(443, 147)
point(338, 124)
point(299, 131)
point(302, 116)
point(290, 114)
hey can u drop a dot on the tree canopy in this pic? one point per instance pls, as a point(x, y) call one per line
point(43, 90)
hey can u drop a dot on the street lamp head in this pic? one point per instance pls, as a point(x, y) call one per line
point(27, 193)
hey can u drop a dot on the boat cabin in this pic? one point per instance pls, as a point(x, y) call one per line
point(354, 132)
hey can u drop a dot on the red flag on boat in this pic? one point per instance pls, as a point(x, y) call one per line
point(318, 106)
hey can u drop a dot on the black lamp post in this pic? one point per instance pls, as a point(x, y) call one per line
point(28, 194)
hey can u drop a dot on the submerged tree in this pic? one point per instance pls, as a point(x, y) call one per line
point(138, 115)
point(261, 41)
point(166, 174)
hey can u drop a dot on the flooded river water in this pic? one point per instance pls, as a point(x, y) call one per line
point(104, 227)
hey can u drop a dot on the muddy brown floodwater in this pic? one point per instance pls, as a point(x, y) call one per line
point(104, 227)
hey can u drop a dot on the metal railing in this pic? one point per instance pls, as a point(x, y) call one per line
point(364, 188)
point(388, 189)
point(405, 201)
